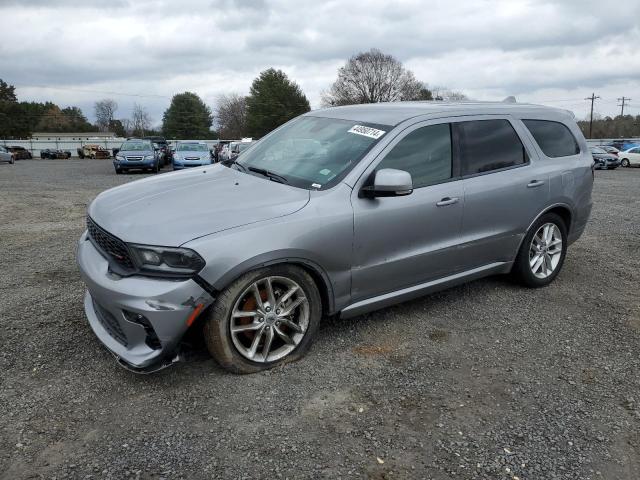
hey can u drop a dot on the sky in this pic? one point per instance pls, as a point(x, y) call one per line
point(74, 52)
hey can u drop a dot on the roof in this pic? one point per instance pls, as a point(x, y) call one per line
point(72, 134)
point(393, 113)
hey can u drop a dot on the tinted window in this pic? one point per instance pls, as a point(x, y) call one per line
point(554, 138)
point(487, 145)
point(635, 150)
point(425, 153)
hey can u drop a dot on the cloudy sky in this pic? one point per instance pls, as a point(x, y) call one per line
point(552, 52)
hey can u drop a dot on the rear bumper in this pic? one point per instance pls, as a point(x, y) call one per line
point(140, 320)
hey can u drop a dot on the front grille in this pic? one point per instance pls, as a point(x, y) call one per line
point(113, 247)
point(134, 159)
point(192, 158)
point(110, 324)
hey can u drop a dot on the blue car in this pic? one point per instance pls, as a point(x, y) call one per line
point(137, 155)
point(191, 154)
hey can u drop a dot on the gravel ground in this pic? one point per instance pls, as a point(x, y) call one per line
point(487, 380)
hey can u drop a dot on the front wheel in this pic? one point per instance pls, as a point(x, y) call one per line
point(542, 252)
point(265, 318)
point(12, 160)
point(625, 162)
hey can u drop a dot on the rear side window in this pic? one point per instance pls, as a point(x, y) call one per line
point(487, 145)
point(425, 153)
point(554, 138)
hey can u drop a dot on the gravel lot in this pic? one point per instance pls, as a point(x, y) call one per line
point(487, 380)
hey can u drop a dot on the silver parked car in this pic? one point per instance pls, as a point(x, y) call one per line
point(6, 155)
point(191, 154)
point(337, 212)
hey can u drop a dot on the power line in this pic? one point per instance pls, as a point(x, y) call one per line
point(621, 105)
point(593, 98)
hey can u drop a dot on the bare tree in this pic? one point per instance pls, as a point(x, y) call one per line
point(140, 120)
point(447, 95)
point(231, 116)
point(105, 110)
point(371, 77)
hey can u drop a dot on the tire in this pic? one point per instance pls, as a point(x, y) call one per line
point(225, 348)
point(624, 162)
point(522, 270)
point(12, 161)
point(118, 171)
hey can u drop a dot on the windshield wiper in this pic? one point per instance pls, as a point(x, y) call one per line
point(270, 175)
point(240, 167)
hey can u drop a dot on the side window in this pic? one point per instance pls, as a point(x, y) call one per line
point(425, 153)
point(554, 138)
point(635, 150)
point(487, 145)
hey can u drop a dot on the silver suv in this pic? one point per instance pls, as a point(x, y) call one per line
point(339, 211)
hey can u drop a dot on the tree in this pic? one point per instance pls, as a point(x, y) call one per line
point(53, 120)
point(187, 117)
point(448, 95)
point(371, 77)
point(140, 120)
point(105, 110)
point(7, 92)
point(231, 116)
point(76, 120)
point(118, 128)
point(273, 100)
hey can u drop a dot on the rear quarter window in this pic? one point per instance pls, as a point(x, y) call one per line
point(554, 138)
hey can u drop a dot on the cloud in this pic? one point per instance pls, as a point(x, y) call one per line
point(549, 51)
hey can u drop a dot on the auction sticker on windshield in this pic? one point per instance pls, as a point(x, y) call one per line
point(367, 131)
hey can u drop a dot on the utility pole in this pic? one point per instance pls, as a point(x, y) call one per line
point(593, 98)
point(621, 105)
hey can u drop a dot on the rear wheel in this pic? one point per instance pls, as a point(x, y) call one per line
point(12, 161)
point(624, 162)
point(542, 252)
point(265, 318)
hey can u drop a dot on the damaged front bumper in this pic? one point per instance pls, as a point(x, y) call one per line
point(141, 320)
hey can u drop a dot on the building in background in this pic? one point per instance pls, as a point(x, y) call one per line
point(72, 136)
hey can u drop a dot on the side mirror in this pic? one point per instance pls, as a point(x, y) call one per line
point(389, 182)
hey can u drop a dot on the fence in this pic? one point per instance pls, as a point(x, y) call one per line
point(35, 146)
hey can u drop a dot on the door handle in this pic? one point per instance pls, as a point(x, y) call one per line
point(447, 201)
point(535, 183)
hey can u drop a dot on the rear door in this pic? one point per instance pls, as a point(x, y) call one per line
point(503, 189)
point(403, 241)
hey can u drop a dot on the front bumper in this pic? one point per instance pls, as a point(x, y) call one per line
point(179, 165)
point(114, 306)
point(136, 164)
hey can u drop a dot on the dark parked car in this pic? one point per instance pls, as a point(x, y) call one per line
point(51, 153)
point(136, 154)
point(19, 153)
point(602, 159)
point(165, 151)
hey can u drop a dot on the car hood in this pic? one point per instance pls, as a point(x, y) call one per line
point(174, 208)
point(194, 154)
point(135, 153)
point(604, 156)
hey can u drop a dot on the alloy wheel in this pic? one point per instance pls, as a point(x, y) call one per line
point(545, 250)
point(269, 319)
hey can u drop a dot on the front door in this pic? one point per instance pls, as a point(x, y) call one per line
point(406, 240)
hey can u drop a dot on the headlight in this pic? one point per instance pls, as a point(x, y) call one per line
point(149, 157)
point(168, 261)
point(120, 158)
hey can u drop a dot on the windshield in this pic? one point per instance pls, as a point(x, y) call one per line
point(597, 150)
point(135, 146)
point(192, 147)
point(313, 152)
